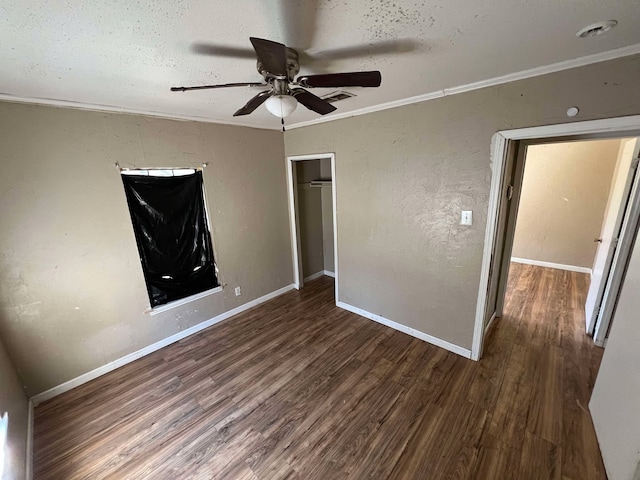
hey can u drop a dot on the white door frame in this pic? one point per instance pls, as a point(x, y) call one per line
point(294, 218)
point(623, 252)
point(599, 128)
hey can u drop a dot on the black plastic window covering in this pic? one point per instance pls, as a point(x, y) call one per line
point(170, 226)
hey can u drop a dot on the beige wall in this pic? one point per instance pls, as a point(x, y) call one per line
point(14, 401)
point(615, 403)
point(310, 217)
point(327, 216)
point(310, 220)
point(72, 294)
point(404, 175)
point(327, 227)
point(564, 195)
point(315, 216)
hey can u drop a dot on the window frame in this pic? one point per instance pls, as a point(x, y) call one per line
point(169, 172)
point(4, 431)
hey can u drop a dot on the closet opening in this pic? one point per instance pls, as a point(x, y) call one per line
point(312, 212)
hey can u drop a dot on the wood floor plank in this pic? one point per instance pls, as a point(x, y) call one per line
point(540, 459)
point(545, 407)
point(299, 389)
point(496, 459)
point(384, 450)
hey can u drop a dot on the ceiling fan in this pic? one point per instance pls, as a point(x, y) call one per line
point(279, 65)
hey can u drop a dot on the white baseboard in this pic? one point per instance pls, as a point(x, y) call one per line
point(464, 352)
point(313, 276)
point(559, 266)
point(319, 274)
point(490, 325)
point(29, 455)
point(109, 367)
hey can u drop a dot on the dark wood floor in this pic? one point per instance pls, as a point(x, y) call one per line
point(298, 389)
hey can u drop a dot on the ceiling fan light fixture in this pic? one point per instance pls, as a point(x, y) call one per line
point(281, 105)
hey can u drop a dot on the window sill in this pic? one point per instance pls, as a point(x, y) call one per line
point(182, 301)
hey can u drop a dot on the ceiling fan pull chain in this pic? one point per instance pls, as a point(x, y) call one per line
point(282, 121)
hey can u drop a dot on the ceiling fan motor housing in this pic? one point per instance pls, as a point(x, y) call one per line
point(293, 66)
point(279, 65)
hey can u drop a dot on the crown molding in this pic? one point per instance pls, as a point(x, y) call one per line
point(511, 77)
point(375, 108)
point(52, 102)
point(546, 69)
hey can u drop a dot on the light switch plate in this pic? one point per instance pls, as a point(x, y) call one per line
point(466, 218)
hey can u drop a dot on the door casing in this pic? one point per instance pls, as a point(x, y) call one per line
point(294, 218)
point(506, 146)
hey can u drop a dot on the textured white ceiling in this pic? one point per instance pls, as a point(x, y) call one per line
point(126, 53)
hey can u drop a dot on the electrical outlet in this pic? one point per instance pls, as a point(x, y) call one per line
point(466, 218)
point(238, 292)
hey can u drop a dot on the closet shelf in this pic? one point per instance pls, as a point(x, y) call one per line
point(321, 183)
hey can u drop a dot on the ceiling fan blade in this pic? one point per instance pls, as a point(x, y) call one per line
point(272, 55)
point(254, 103)
point(222, 51)
point(385, 47)
point(312, 102)
point(298, 21)
point(221, 85)
point(352, 79)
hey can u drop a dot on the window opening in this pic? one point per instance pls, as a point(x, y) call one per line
point(4, 426)
point(172, 233)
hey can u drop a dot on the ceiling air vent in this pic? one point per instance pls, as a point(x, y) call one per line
point(337, 96)
point(596, 29)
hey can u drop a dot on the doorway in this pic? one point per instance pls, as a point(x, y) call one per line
point(312, 214)
point(510, 152)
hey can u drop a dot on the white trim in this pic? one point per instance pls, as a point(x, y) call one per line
point(319, 274)
point(498, 151)
point(620, 261)
point(510, 77)
point(490, 324)
point(314, 276)
point(374, 108)
point(464, 352)
point(559, 266)
point(606, 125)
point(334, 193)
point(109, 367)
point(546, 69)
point(293, 226)
point(92, 107)
point(29, 453)
point(498, 161)
point(182, 301)
point(298, 280)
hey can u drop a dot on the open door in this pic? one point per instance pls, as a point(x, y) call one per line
point(612, 226)
point(503, 243)
point(621, 258)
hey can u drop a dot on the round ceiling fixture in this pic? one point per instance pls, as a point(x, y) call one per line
point(281, 105)
point(597, 28)
point(572, 111)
